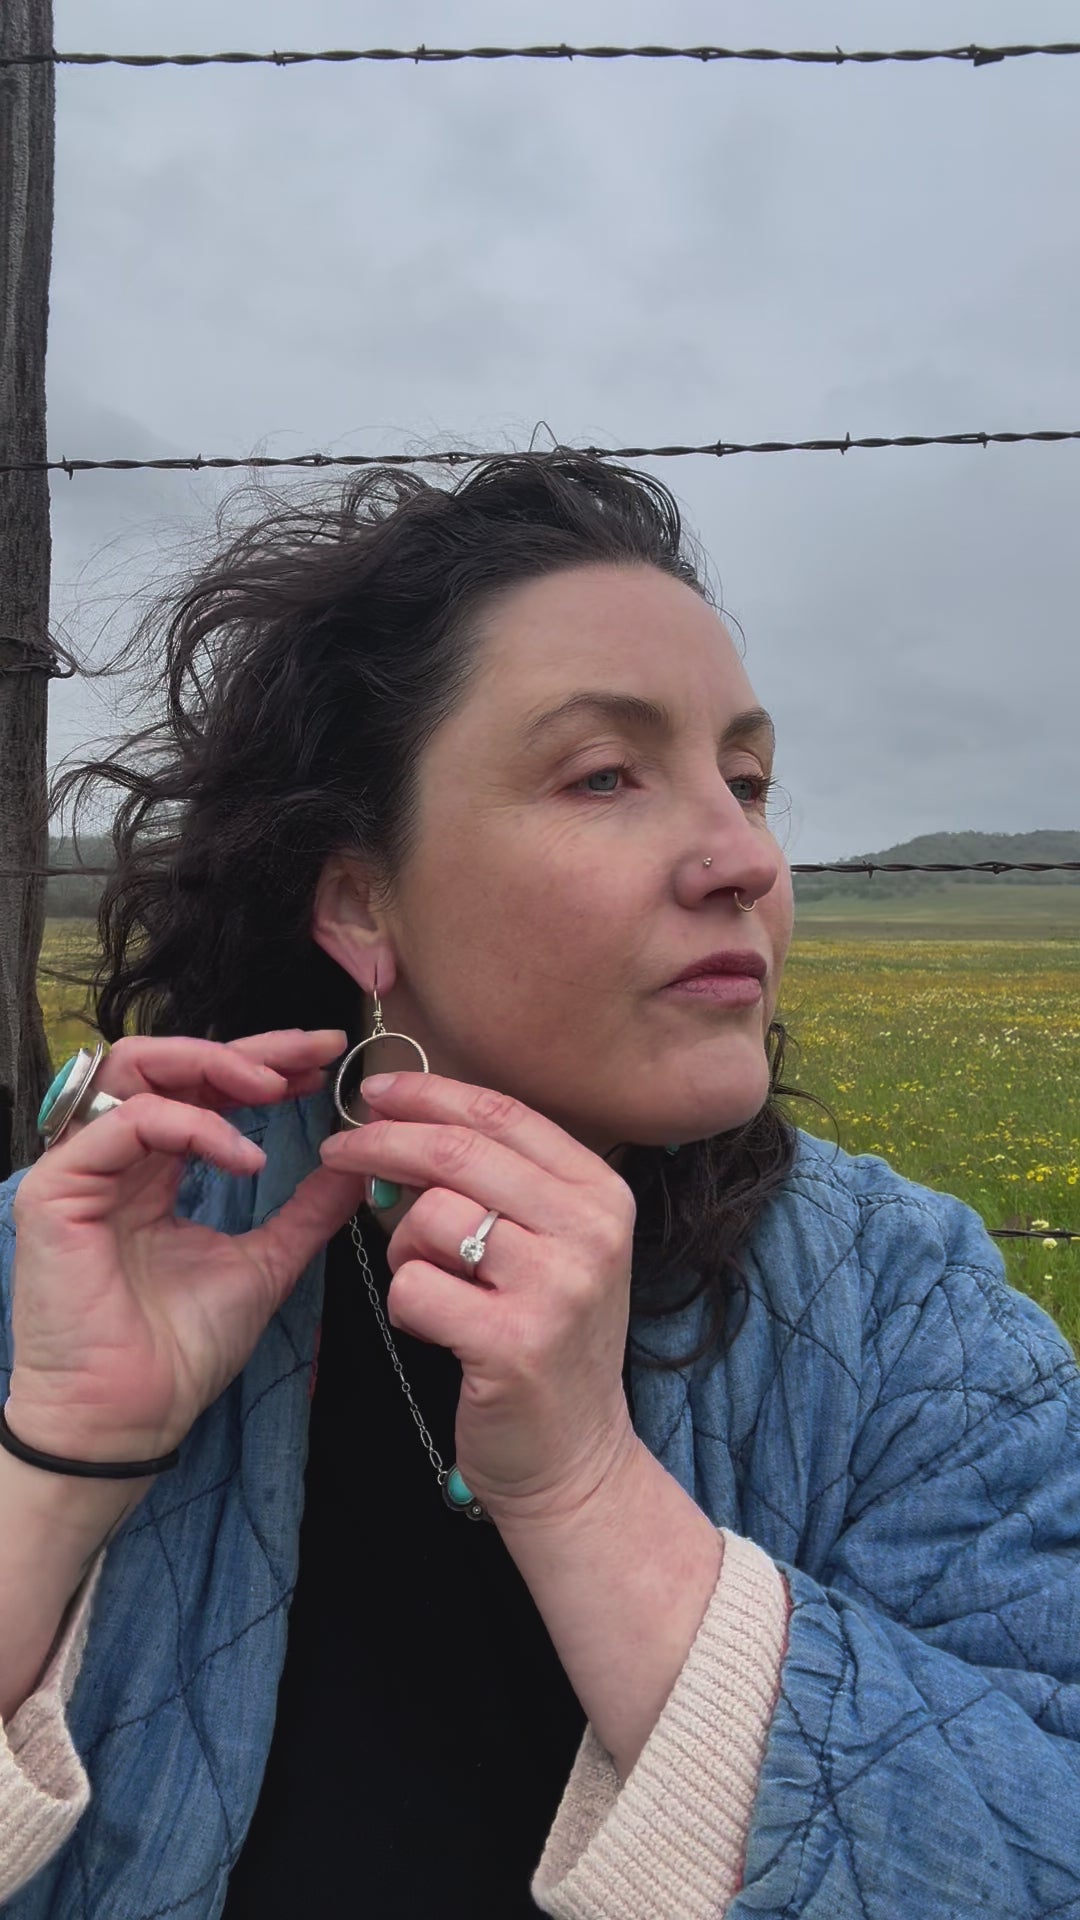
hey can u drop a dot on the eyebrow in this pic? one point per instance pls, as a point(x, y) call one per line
point(645, 716)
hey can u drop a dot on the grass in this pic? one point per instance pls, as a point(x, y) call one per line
point(955, 1057)
point(958, 1061)
point(985, 910)
point(67, 944)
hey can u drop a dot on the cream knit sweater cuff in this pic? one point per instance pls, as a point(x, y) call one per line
point(43, 1785)
point(672, 1840)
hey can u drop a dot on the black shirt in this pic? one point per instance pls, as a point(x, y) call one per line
point(425, 1728)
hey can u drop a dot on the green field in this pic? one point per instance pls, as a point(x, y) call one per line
point(944, 1032)
point(985, 910)
point(945, 1037)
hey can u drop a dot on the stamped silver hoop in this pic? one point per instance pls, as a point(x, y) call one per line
point(380, 1033)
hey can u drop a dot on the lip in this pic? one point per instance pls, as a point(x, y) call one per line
point(722, 989)
point(732, 962)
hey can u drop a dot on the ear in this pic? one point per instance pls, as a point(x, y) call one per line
point(342, 923)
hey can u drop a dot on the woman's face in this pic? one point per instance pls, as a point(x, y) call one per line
point(551, 898)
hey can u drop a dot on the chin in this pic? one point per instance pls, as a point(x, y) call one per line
point(739, 1109)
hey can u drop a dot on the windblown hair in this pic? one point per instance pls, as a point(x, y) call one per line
point(298, 679)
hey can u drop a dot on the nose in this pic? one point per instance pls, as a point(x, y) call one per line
point(742, 856)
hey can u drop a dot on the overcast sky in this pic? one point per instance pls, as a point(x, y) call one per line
point(378, 258)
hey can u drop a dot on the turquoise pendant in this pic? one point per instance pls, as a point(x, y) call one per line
point(457, 1495)
point(384, 1194)
point(55, 1091)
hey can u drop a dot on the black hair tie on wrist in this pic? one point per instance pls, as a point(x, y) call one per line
point(85, 1469)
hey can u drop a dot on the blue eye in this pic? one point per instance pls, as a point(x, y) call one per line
point(623, 767)
point(760, 786)
point(759, 783)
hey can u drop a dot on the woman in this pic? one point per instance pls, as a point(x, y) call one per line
point(771, 1602)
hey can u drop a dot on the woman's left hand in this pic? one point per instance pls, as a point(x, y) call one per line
point(540, 1332)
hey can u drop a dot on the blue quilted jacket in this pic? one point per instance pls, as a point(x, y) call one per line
point(894, 1425)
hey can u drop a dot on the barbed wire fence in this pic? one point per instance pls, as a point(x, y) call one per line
point(865, 867)
point(970, 55)
point(44, 656)
point(461, 456)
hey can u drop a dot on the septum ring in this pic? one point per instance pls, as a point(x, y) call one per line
point(738, 902)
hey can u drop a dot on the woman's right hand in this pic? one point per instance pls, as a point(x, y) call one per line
point(126, 1320)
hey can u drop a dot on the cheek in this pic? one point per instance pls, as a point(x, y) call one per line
point(558, 938)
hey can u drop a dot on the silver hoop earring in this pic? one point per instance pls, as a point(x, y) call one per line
point(379, 1033)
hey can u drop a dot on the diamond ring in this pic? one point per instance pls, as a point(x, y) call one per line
point(472, 1247)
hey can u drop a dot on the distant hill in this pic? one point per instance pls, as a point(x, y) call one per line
point(75, 897)
point(965, 849)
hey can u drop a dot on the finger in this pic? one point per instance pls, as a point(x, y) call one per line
point(451, 1315)
point(257, 1070)
point(285, 1243)
point(301, 1057)
point(483, 1170)
point(293, 1049)
point(145, 1124)
point(435, 1227)
point(434, 1097)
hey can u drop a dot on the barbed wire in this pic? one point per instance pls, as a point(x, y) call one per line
point(995, 866)
point(44, 658)
point(866, 867)
point(458, 456)
point(39, 656)
point(942, 866)
point(1031, 1233)
point(971, 55)
point(859, 867)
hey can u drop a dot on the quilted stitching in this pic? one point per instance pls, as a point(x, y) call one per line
point(82, 1873)
point(893, 1424)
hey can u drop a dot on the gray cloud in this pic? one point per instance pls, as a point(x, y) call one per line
point(385, 257)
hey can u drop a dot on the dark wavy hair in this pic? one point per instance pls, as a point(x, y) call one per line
point(299, 676)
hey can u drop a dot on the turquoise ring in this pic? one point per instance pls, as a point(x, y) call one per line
point(70, 1096)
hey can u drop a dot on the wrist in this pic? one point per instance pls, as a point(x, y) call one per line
point(45, 1510)
point(603, 1487)
point(63, 1435)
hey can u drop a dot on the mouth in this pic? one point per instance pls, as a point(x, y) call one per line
point(741, 965)
point(719, 989)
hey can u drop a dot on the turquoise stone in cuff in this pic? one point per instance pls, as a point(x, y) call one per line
point(456, 1490)
point(55, 1091)
point(384, 1194)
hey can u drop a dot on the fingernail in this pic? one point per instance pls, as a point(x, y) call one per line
point(377, 1083)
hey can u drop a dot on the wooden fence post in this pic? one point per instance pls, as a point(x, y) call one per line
point(27, 123)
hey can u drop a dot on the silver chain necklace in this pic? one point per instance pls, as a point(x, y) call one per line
point(450, 1481)
point(454, 1491)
